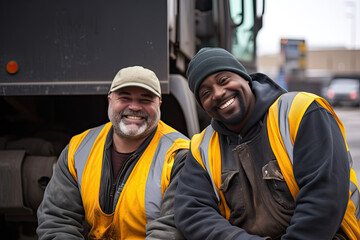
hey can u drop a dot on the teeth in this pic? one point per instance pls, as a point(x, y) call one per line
point(134, 117)
point(225, 105)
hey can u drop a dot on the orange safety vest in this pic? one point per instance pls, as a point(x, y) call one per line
point(141, 195)
point(282, 141)
point(205, 148)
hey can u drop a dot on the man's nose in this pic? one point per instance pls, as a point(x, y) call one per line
point(135, 106)
point(218, 92)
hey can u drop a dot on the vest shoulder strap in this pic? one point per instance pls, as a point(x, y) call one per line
point(79, 150)
point(283, 121)
point(205, 148)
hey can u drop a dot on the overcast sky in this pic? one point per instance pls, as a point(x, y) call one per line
point(322, 23)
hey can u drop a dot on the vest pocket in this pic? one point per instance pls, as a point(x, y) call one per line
point(228, 178)
point(272, 175)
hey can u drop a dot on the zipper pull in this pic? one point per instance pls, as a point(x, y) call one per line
point(112, 190)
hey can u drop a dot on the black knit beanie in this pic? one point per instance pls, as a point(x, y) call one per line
point(211, 60)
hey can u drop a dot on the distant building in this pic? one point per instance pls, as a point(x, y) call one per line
point(320, 64)
point(331, 61)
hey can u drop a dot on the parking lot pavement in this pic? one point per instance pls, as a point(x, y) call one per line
point(350, 117)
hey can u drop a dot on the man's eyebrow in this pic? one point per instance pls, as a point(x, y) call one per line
point(148, 95)
point(204, 85)
point(219, 73)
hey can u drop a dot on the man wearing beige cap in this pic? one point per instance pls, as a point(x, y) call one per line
point(116, 177)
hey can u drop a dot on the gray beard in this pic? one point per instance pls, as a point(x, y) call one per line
point(142, 131)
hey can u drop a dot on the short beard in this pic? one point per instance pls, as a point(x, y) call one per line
point(125, 131)
point(142, 131)
point(236, 118)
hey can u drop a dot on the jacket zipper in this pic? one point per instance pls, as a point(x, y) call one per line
point(119, 177)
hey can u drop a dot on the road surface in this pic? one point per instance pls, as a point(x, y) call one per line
point(350, 117)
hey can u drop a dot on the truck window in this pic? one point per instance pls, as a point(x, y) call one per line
point(243, 41)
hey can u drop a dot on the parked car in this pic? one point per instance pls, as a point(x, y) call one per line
point(344, 91)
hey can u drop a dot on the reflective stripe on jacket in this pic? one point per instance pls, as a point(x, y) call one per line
point(205, 148)
point(284, 117)
point(141, 195)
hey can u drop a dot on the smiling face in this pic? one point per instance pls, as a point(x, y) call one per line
point(228, 98)
point(134, 112)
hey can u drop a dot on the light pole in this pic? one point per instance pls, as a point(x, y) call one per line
point(352, 4)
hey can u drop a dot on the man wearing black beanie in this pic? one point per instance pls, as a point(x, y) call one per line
point(212, 60)
point(271, 165)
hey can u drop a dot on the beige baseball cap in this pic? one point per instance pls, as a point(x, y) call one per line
point(136, 76)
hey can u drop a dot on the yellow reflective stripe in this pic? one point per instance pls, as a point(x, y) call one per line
point(141, 196)
point(350, 223)
point(195, 151)
point(215, 160)
point(278, 147)
point(166, 172)
point(353, 180)
point(350, 227)
point(354, 194)
point(179, 143)
point(298, 108)
point(132, 220)
point(90, 192)
point(215, 169)
point(73, 145)
point(130, 207)
point(204, 148)
point(210, 159)
point(90, 182)
point(284, 104)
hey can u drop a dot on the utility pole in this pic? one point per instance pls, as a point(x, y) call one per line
point(352, 15)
